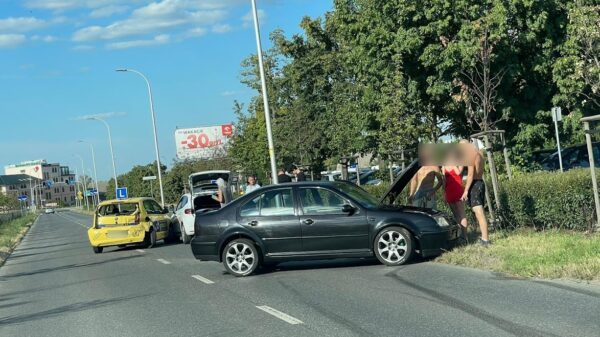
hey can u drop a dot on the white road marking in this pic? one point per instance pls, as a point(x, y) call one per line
point(202, 279)
point(140, 250)
point(77, 222)
point(163, 261)
point(282, 316)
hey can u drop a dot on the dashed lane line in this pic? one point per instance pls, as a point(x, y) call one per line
point(203, 279)
point(163, 261)
point(140, 250)
point(281, 315)
point(77, 222)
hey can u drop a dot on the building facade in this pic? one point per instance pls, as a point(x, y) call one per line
point(54, 182)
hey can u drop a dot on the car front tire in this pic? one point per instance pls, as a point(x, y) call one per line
point(98, 250)
point(393, 246)
point(240, 257)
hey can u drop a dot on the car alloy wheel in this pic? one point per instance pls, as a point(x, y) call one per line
point(240, 257)
point(393, 246)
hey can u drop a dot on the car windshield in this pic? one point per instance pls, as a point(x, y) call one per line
point(358, 194)
point(118, 209)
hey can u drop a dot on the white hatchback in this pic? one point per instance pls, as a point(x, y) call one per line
point(204, 188)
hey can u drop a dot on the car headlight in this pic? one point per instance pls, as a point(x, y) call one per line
point(442, 222)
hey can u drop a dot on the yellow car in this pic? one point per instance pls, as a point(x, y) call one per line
point(129, 221)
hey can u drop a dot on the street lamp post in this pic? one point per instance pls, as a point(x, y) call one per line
point(153, 115)
point(263, 83)
point(112, 153)
point(95, 172)
point(87, 205)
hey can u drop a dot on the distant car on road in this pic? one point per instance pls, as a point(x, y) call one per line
point(49, 211)
point(130, 221)
point(572, 157)
point(203, 186)
point(319, 220)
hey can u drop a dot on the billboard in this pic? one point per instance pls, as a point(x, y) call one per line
point(203, 142)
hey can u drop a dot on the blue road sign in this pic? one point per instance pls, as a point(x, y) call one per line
point(122, 193)
point(22, 198)
point(49, 183)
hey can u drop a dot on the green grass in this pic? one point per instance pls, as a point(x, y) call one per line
point(10, 231)
point(526, 253)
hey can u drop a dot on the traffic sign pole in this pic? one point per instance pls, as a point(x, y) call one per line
point(557, 116)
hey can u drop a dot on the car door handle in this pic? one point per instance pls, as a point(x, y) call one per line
point(308, 222)
point(253, 223)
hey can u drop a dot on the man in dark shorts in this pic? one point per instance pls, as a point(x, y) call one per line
point(475, 190)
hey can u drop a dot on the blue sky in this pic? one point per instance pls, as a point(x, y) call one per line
point(57, 61)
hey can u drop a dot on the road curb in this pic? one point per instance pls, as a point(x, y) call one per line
point(5, 255)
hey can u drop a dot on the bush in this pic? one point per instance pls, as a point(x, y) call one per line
point(541, 200)
point(545, 200)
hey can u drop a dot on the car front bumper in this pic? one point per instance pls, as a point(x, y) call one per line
point(435, 243)
point(115, 236)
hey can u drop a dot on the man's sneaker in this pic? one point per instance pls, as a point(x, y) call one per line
point(485, 242)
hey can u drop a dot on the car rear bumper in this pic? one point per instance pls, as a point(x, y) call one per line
point(204, 250)
point(115, 236)
point(433, 244)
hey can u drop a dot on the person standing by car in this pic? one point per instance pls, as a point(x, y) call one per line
point(251, 184)
point(475, 190)
point(283, 177)
point(222, 196)
point(298, 173)
point(453, 192)
point(422, 191)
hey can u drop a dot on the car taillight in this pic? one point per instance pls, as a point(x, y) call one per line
point(188, 211)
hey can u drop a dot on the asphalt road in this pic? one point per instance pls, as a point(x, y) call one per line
point(54, 285)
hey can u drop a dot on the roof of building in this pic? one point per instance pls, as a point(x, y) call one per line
point(15, 179)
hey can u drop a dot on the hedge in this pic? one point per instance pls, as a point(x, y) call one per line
point(542, 200)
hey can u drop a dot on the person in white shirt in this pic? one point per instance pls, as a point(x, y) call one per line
point(251, 184)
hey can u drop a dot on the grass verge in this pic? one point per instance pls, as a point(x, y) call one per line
point(11, 233)
point(526, 253)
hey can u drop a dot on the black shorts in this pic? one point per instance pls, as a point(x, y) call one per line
point(477, 193)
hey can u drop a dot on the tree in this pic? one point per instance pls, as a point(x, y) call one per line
point(577, 71)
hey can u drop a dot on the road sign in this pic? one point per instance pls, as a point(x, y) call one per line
point(22, 198)
point(122, 193)
point(149, 178)
point(49, 183)
point(556, 114)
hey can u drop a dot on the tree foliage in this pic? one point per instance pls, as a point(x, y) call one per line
point(377, 76)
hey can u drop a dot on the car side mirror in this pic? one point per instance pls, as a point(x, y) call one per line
point(348, 209)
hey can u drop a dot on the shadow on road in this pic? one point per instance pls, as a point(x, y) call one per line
point(68, 267)
point(75, 307)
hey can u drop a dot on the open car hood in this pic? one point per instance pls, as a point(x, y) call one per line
point(400, 183)
point(206, 181)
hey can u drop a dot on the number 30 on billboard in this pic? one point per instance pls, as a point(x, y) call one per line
point(202, 143)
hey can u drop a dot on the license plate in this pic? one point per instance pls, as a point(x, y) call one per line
point(117, 234)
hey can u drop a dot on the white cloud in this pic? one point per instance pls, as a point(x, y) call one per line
point(108, 11)
point(248, 19)
point(229, 93)
point(46, 38)
point(222, 28)
point(196, 32)
point(21, 24)
point(11, 40)
point(156, 17)
point(102, 115)
point(62, 5)
point(157, 40)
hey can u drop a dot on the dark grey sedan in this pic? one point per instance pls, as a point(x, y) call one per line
point(319, 220)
